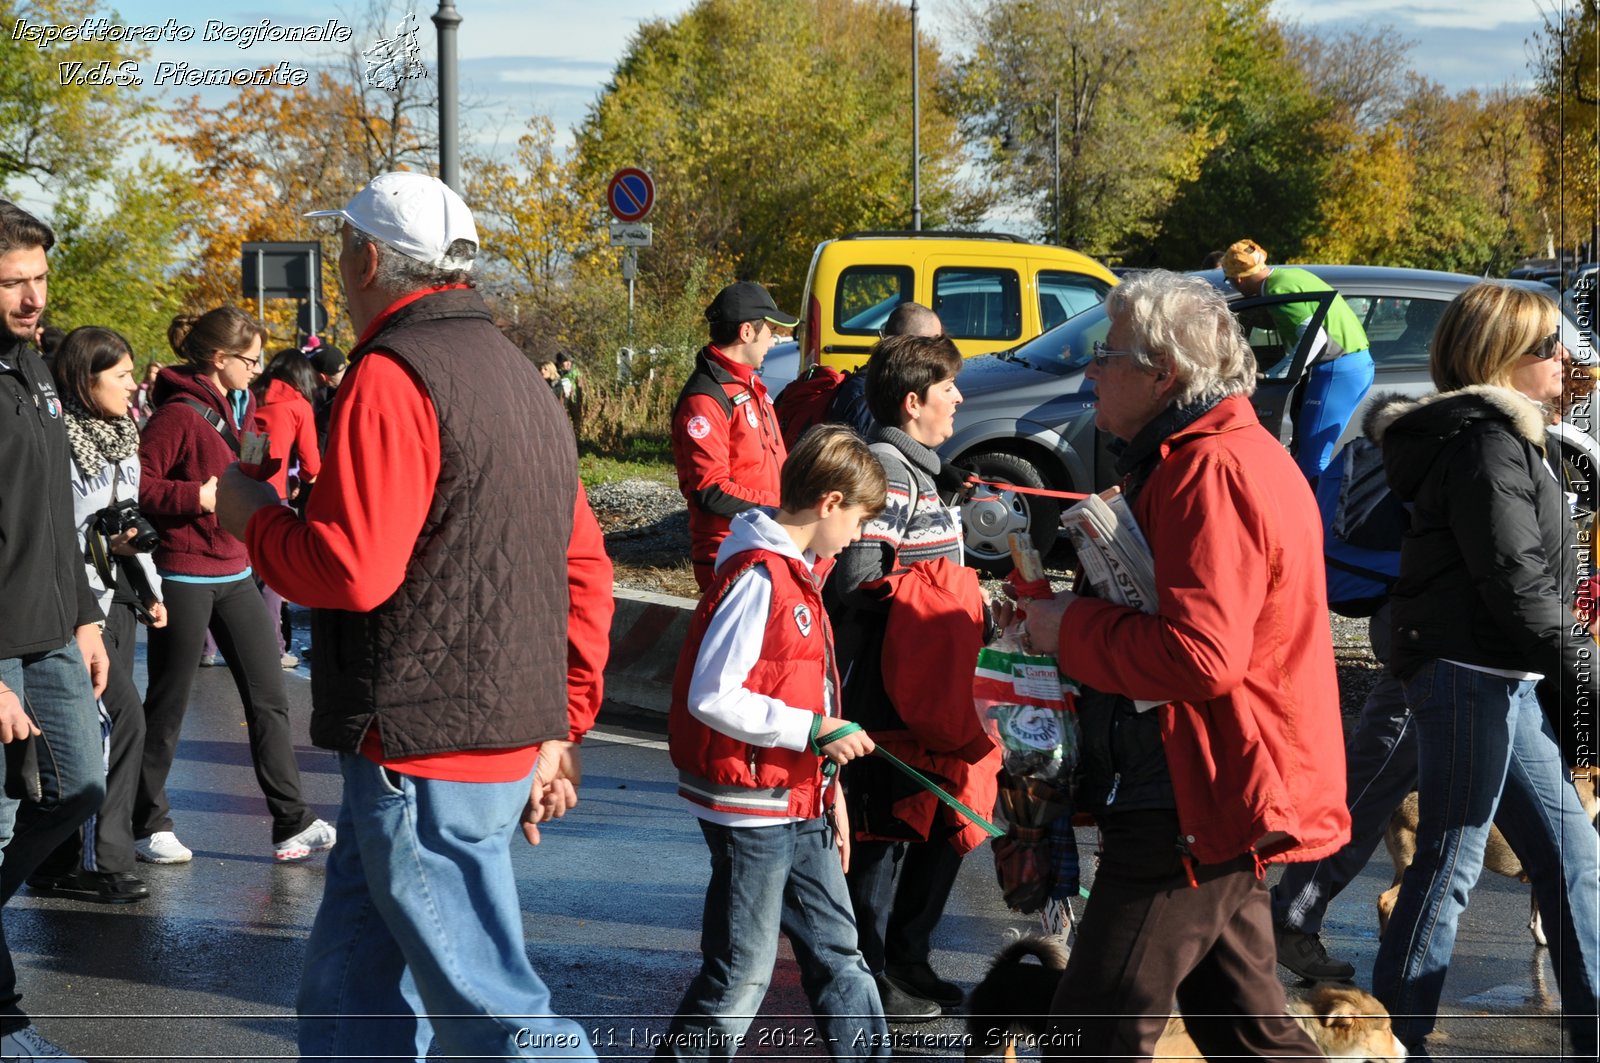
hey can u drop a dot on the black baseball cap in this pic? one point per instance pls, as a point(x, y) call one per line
point(326, 359)
point(747, 301)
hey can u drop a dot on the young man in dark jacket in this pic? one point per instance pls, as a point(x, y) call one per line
point(50, 626)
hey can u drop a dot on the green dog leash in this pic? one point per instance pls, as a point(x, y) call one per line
point(916, 776)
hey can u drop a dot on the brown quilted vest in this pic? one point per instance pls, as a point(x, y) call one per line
point(471, 651)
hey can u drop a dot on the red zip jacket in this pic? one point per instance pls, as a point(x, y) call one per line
point(1239, 645)
point(178, 451)
point(351, 550)
point(287, 418)
point(728, 451)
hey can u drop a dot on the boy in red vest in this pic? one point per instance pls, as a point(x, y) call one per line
point(756, 736)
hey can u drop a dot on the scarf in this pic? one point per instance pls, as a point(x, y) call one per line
point(97, 441)
point(1137, 458)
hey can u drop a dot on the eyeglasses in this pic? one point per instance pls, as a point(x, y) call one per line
point(253, 363)
point(1103, 355)
point(1546, 348)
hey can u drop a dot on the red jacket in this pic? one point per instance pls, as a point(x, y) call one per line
point(287, 418)
point(728, 450)
point(178, 451)
point(729, 775)
point(935, 631)
point(1240, 644)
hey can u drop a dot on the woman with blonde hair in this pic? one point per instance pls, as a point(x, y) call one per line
point(1500, 684)
point(202, 408)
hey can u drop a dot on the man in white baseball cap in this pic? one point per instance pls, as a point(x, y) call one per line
point(458, 658)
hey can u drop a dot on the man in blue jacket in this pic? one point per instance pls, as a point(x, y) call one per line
point(53, 663)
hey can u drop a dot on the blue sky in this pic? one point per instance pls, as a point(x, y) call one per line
point(554, 55)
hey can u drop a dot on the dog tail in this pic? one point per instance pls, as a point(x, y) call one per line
point(1049, 951)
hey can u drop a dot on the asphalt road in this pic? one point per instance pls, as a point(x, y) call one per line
point(207, 967)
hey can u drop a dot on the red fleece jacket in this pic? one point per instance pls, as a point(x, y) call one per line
point(287, 419)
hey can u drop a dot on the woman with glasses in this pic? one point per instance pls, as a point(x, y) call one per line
point(1498, 678)
point(202, 408)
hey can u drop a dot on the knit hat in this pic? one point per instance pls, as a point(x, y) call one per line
point(1245, 256)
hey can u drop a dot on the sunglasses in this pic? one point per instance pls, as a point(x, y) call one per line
point(1547, 347)
point(1102, 355)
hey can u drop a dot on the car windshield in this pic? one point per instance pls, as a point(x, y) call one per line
point(1067, 347)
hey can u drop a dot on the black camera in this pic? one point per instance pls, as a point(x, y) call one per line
point(122, 515)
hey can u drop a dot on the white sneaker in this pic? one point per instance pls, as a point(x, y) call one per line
point(289, 661)
point(162, 847)
point(27, 1044)
point(315, 838)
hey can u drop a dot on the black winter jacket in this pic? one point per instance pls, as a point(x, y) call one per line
point(43, 585)
point(1489, 566)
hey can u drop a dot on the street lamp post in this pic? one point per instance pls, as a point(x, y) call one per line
point(446, 21)
point(916, 129)
point(1055, 158)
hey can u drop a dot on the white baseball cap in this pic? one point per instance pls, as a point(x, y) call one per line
point(417, 215)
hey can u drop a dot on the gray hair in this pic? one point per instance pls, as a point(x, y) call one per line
point(1186, 321)
point(399, 273)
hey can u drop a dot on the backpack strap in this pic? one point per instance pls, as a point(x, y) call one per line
point(214, 419)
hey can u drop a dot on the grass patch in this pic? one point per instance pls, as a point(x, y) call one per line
point(639, 459)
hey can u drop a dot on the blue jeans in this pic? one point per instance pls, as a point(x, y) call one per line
point(1333, 391)
point(1380, 770)
point(420, 931)
point(765, 879)
point(56, 692)
point(1484, 753)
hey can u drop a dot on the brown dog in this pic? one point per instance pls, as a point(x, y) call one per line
point(1346, 1023)
point(1401, 840)
point(1014, 999)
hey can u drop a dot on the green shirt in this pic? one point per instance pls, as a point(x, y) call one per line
point(1341, 324)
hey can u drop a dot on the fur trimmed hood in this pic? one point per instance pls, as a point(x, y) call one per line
point(1414, 432)
point(1478, 402)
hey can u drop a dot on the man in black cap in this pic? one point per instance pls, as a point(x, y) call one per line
point(725, 438)
point(329, 362)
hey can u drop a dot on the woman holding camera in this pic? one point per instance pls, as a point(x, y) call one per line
point(93, 370)
point(202, 409)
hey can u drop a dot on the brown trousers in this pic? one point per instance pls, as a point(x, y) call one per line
point(1149, 938)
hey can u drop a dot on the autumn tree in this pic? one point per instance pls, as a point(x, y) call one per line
point(530, 216)
point(1263, 175)
point(264, 159)
point(55, 126)
point(118, 265)
point(1567, 67)
point(1125, 73)
point(769, 125)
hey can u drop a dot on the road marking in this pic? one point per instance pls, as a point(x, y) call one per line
point(626, 740)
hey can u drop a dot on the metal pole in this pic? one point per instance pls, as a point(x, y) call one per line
point(916, 128)
point(446, 20)
point(1055, 156)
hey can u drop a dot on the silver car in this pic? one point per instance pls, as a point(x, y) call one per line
point(1028, 414)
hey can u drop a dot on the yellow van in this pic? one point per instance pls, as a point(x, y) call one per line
point(992, 291)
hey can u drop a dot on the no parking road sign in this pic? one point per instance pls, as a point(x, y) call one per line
point(631, 194)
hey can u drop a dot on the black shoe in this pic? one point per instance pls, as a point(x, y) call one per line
point(1304, 955)
point(900, 1006)
point(920, 980)
point(103, 887)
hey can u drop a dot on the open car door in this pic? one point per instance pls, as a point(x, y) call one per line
point(1286, 334)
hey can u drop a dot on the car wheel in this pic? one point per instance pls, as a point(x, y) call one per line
point(991, 515)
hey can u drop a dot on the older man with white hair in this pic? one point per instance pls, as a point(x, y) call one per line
point(446, 631)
